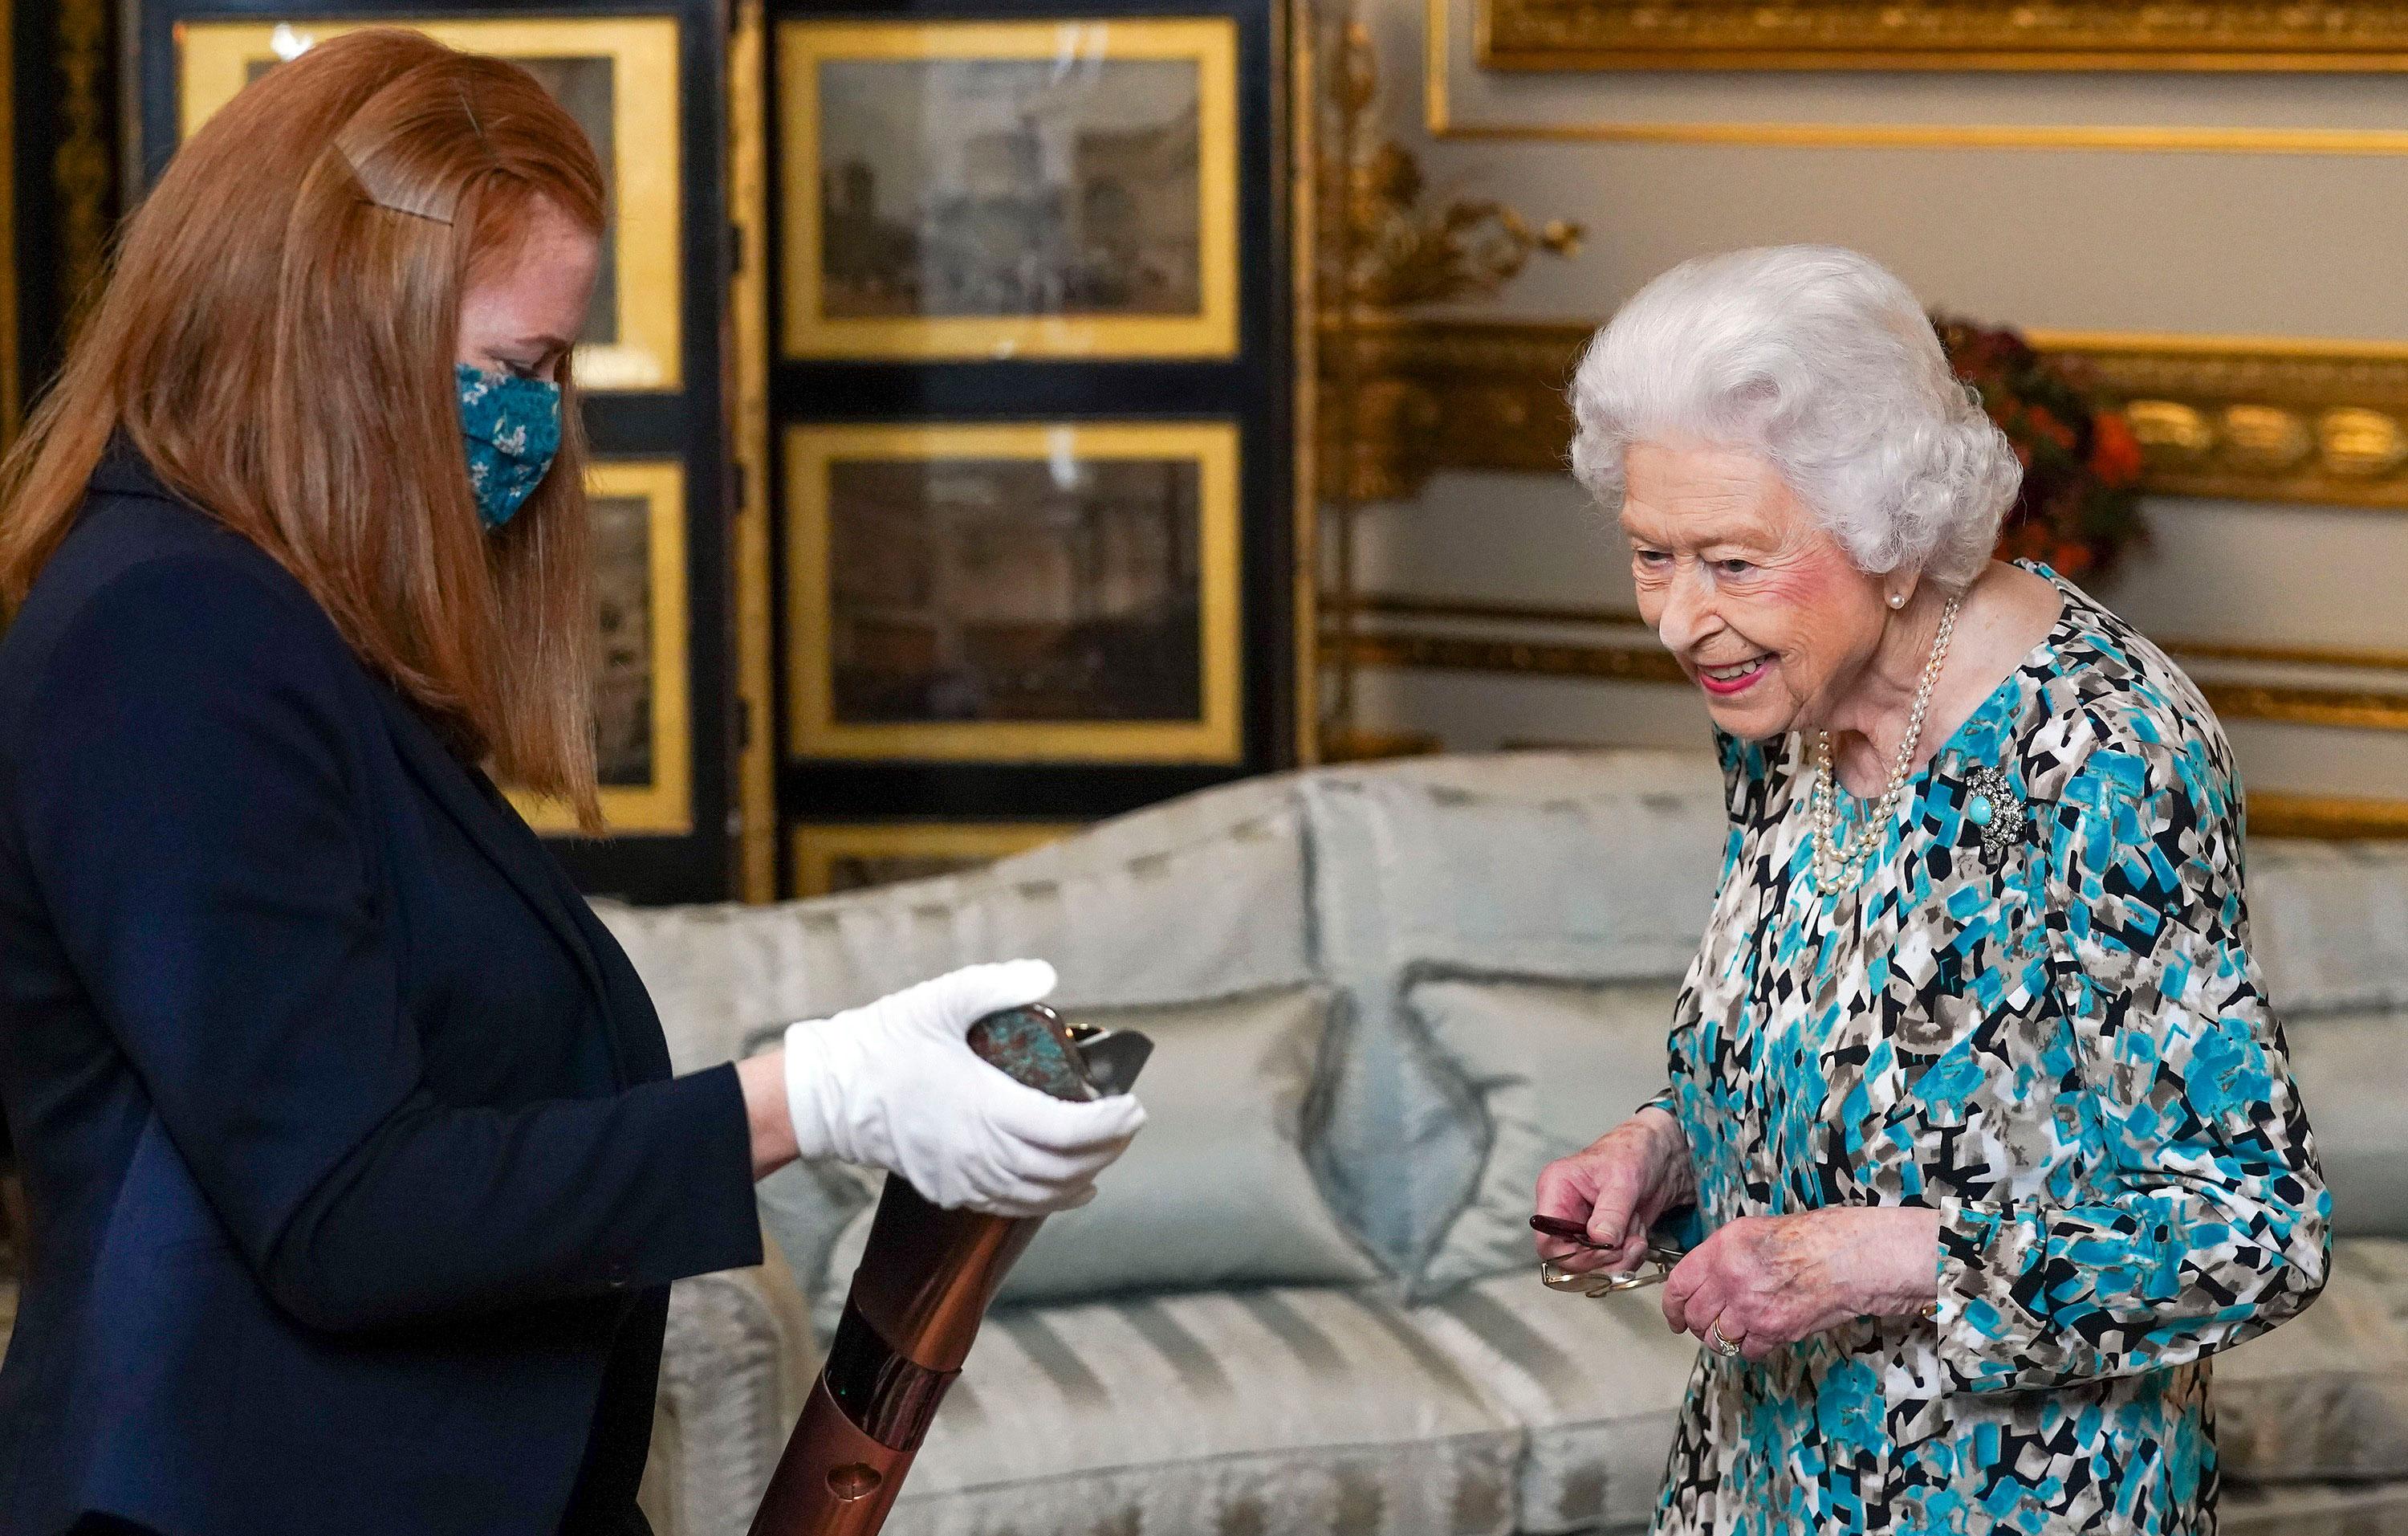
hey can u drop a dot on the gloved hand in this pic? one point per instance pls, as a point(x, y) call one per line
point(893, 1084)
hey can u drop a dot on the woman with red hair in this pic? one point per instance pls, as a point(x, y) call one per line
point(357, 1174)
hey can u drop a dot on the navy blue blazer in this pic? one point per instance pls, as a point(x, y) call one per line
point(356, 1169)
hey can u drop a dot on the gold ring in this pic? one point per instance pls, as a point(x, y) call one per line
point(1719, 1344)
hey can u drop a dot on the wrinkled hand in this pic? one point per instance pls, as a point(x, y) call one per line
point(1616, 1188)
point(1770, 1280)
point(893, 1084)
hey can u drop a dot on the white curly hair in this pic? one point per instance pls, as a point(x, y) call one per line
point(1821, 360)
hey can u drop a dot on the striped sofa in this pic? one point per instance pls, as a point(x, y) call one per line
point(1450, 1396)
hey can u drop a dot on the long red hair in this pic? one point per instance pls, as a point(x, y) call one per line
point(277, 339)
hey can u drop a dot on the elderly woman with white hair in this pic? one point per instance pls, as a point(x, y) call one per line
point(1988, 1125)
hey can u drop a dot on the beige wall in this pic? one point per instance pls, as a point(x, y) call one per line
point(2112, 235)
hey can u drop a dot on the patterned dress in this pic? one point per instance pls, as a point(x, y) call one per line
point(2039, 1015)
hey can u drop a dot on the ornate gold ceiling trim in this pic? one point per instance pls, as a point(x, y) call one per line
point(1951, 34)
point(2251, 418)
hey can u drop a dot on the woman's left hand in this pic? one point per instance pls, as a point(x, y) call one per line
point(1764, 1282)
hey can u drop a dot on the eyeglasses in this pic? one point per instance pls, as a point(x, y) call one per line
point(1660, 1256)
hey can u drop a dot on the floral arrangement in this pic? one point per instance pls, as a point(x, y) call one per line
point(2080, 506)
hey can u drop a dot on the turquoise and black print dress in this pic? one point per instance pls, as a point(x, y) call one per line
point(2039, 1015)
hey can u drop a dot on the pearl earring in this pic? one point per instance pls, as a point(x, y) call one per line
point(1898, 599)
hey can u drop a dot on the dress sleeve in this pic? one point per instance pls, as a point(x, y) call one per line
point(188, 805)
point(2196, 1214)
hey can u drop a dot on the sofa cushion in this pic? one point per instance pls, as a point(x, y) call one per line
point(1595, 1382)
point(1225, 1413)
point(1554, 1067)
point(2328, 922)
point(2325, 1395)
point(1215, 1191)
point(1574, 865)
point(1199, 898)
point(2346, 1065)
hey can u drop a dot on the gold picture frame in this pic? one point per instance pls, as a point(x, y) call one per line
point(750, 344)
point(644, 718)
point(806, 48)
point(922, 625)
point(644, 312)
point(1940, 34)
point(832, 857)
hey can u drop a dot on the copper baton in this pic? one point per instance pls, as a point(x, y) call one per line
point(925, 1280)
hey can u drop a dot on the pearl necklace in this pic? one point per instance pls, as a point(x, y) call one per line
point(1838, 866)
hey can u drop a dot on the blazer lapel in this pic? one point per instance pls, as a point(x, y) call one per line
point(504, 840)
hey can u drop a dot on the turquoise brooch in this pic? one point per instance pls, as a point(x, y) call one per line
point(1992, 805)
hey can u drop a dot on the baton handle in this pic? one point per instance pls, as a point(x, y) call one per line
point(925, 1280)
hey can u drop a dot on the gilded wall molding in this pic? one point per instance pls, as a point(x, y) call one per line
point(1951, 34)
point(2239, 417)
point(1605, 662)
point(1422, 632)
point(2355, 689)
point(2257, 421)
point(2273, 814)
point(1433, 395)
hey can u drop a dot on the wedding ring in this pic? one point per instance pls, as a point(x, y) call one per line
point(1719, 1344)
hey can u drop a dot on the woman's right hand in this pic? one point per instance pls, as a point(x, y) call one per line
point(893, 1084)
point(1616, 1188)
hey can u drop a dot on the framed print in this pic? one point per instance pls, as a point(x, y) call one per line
point(643, 728)
point(1015, 592)
point(974, 190)
point(617, 76)
point(833, 858)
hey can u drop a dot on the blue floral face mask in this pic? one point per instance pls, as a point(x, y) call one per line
point(512, 431)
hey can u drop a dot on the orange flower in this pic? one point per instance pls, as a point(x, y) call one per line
point(2072, 558)
point(2114, 452)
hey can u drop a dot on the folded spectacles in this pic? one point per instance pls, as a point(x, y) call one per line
point(1656, 1263)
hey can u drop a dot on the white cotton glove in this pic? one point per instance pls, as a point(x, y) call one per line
point(894, 1086)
